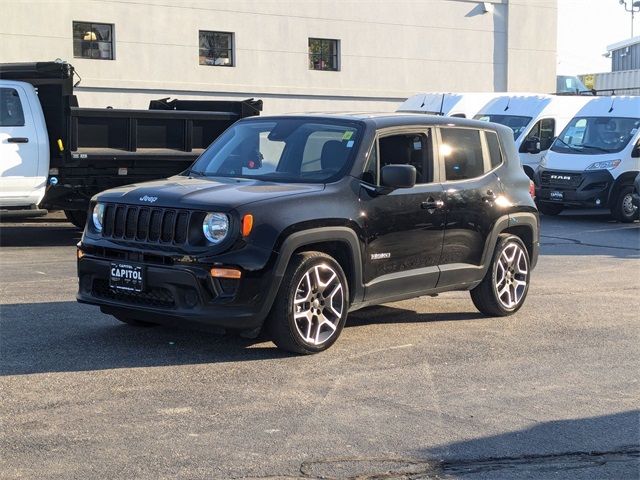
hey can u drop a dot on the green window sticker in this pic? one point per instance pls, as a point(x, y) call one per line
point(347, 135)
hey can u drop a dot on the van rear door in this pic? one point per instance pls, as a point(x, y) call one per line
point(20, 184)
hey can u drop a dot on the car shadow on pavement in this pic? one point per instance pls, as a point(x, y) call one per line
point(381, 314)
point(66, 336)
point(606, 446)
point(62, 235)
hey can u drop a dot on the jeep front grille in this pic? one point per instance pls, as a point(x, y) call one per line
point(146, 224)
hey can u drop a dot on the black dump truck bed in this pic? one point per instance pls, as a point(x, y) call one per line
point(93, 149)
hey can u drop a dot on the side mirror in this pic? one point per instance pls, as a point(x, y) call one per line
point(530, 145)
point(398, 176)
point(635, 153)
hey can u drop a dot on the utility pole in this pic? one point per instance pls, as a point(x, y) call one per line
point(635, 7)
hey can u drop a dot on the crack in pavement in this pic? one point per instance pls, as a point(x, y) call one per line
point(415, 469)
point(583, 244)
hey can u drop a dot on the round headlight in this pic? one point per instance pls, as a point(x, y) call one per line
point(98, 216)
point(215, 227)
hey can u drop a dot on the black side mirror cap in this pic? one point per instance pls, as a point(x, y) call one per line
point(398, 176)
point(635, 153)
point(530, 145)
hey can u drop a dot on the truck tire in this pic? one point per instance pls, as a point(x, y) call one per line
point(311, 306)
point(77, 217)
point(504, 288)
point(623, 209)
point(549, 208)
point(133, 322)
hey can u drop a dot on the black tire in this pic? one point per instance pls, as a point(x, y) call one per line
point(623, 209)
point(77, 217)
point(133, 322)
point(486, 296)
point(549, 208)
point(284, 329)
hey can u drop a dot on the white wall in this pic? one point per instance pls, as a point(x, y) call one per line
point(389, 49)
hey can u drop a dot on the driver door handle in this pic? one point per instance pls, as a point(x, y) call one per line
point(18, 140)
point(431, 204)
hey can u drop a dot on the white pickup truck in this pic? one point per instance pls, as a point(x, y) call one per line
point(24, 149)
point(55, 155)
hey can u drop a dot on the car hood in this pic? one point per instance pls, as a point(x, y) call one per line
point(221, 194)
point(576, 162)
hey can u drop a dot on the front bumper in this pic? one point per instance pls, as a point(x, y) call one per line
point(576, 189)
point(179, 294)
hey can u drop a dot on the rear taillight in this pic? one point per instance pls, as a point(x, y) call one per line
point(532, 189)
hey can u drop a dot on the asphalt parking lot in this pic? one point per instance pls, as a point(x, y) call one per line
point(419, 389)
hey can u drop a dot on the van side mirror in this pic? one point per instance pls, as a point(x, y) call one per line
point(530, 145)
point(398, 176)
point(635, 153)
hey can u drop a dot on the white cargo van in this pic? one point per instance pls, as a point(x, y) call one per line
point(594, 161)
point(24, 148)
point(464, 105)
point(535, 120)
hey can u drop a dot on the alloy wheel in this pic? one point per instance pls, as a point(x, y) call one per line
point(511, 276)
point(318, 304)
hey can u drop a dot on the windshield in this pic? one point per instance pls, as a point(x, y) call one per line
point(515, 122)
point(291, 150)
point(596, 135)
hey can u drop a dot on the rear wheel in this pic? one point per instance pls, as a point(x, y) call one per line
point(623, 209)
point(133, 322)
point(77, 217)
point(504, 288)
point(311, 306)
point(549, 208)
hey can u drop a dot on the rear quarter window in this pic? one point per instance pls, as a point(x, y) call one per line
point(493, 144)
point(11, 114)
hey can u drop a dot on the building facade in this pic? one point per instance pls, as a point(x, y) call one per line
point(625, 55)
point(296, 55)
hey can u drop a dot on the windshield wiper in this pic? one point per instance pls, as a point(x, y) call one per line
point(595, 147)
point(572, 147)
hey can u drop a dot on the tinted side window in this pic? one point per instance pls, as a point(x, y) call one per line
point(11, 114)
point(370, 174)
point(543, 131)
point(462, 152)
point(409, 149)
point(494, 148)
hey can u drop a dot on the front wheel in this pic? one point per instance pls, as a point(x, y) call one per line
point(311, 306)
point(77, 217)
point(623, 208)
point(504, 288)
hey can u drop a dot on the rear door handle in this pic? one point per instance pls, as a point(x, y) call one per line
point(489, 196)
point(18, 140)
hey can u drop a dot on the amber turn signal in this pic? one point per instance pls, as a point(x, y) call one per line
point(80, 254)
point(247, 224)
point(225, 273)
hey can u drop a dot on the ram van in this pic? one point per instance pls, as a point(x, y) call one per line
point(594, 161)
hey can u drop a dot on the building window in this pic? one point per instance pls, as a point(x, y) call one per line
point(323, 54)
point(216, 48)
point(93, 40)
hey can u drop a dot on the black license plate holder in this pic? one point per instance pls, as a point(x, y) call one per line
point(127, 276)
point(556, 195)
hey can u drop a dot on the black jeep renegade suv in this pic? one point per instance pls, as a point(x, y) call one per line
point(292, 221)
